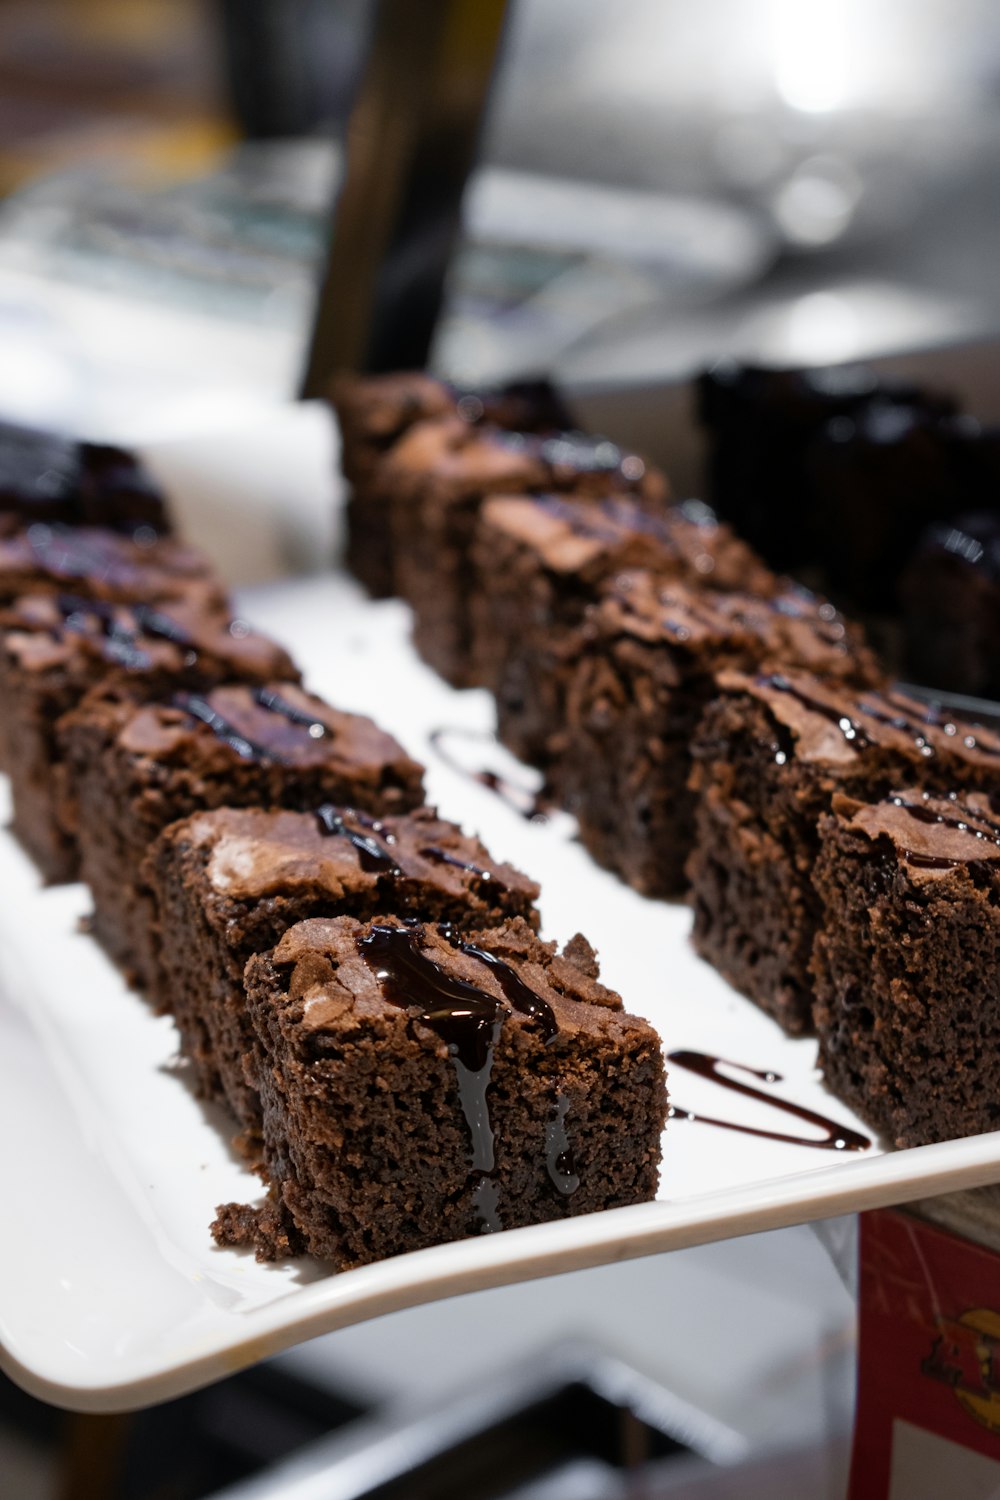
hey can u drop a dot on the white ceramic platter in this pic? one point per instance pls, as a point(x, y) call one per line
point(112, 1294)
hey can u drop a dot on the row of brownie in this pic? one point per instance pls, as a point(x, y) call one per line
point(408, 1060)
point(720, 731)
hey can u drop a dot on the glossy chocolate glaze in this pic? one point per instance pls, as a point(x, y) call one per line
point(373, 856)
point(224, 729)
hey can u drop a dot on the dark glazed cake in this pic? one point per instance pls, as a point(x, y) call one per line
point(635, 692)
point(101, 564)
point(420, 1086)
point(769, 756)
point(228, 883)
point(137, 768)
point(438, 477)
point(50, 478)
point(907, 963)
point(375, 411)
point(55, 647)
point(538, 563)
point(950, 596)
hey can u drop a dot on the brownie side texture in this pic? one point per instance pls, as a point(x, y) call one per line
point(438, 477)
point(635, 689)
point(228, 883)
point(137, 768)
point(420, 1086)
point(102, 564)
point(769, 755)
point(539, 561)
point(47, 477)
point(54, 648)
point(907, 963)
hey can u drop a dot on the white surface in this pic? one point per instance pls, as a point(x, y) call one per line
point(111, 1292)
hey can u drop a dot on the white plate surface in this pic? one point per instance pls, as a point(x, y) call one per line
point(112, 1294)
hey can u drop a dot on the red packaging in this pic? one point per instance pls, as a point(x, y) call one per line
point(928, 1414)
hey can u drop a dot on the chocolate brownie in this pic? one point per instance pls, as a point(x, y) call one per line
point(759, 426)
point(421, 1085)
point(438, 476)
point(770, 753)
point(538, 561)
point(907, 960)
point(55, 647)
point(950, 598)
point(228, 883)
point(374, 411)
point(101, 564)
point(634, 690)
point(136, 768)
point(47, 477)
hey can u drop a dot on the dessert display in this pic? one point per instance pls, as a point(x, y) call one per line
point(437, 478)
point(229, 883)
point(420, 1084)
point(137, 767)
point(49, 478)
point(56, 647)
point(374, 413)
point(356, 979)
point(906, 962)
point(770, 754)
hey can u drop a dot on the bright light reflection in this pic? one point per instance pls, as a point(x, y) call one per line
point(810, 53)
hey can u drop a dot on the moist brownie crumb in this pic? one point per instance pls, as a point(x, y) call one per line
point(907, 962)
point(419, 1085)
point(136, 768)
point(950, 597)
point(228, 883)
point(268, 1230)
point(770, 753)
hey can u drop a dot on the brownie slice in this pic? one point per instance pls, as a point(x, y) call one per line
point(374, 412)
point(437, 477)
point(769, 756)
point(634, 691)
point(55, 647)
point(51, 478)
point(419, 1086)
point(539, 561)
point(136, 768)
point(907, 963)
point(950, 597)
point(228, 883)
point(102, 564)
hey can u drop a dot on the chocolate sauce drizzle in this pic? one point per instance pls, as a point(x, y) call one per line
point(442, 857)
point(276, 704)
point(373, 857)
point(835, 1137)
point(468, 1020)
point(121, 640)
point(921, 813)
point(559, 1161)
point(533, 806)
point(223, 728)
